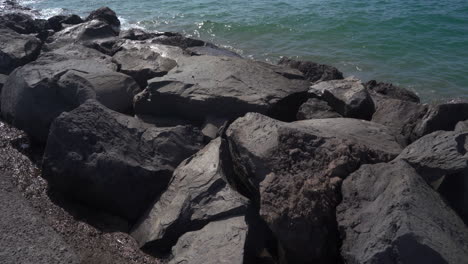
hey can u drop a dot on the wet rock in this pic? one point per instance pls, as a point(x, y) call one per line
point(401, 116)
point(179, 41)
point(391, 91)
point(56, 22)
point(84, 33)
point(222, 241)
point(113, 162)
point(212, 51)
point(114, 90)
point(197, 194)
point(462, 126)
point(32, 98)
point(316, 109)
point(390, 215)
point(203, 86)
point(438, 154)
point(312, 71)
point(348, 97)
point(145, 60)
point(106, 15)
point(444, 116)
point(136, 34)
point(294, 170)
point(16, 50)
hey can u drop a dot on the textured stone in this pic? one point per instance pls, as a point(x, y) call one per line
point(16, 50)
point(111, 161)
point(316, 109)
point(294, 171)
point(312, 71)
point(390, 215)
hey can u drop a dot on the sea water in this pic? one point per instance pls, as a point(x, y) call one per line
point(418, 44)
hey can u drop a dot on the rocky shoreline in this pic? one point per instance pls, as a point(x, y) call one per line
point(126, 146)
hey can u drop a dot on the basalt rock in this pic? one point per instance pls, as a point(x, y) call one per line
point(106, 15)
point(144, 60)
point(113, 162)
point(19, 22)
point(211, 51)
point(294, 171)
point(197, 194)
point(401, 116)
point(84, 33)
point(16, 50)
point(223, 87)
point(391, 91)
point(316, 109)
point(56, 22)
point(136, 34)
point(32, 97)
point(390, 215)
point(312, 71)
point(438, 154)
point(348, 97)
point(444, 116)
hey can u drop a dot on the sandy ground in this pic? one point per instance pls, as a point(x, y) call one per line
point(38, 226)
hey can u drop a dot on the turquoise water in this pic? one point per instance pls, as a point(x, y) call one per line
point(419, 44)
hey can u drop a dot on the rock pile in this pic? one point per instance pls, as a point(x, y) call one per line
point(214, 158)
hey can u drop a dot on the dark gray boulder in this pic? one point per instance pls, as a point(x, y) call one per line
point(443, 116)
point(106, 15)
point(179, 41)
point(3, 79)
point(348, 97)
point(312, 71)
point(390, 215)
point(224, 87)
point(438, 154)
point(144, 60)
point(294, 171)
point(19, 22)
point(56, 22)
point(462, 126)
point(316, 109)
point(223, 241)
point(113, 89)
point(197, 194)
point(391, 91)
point(84, 33)
point(32, 98)
point(401, 116)
point(454, 189)
point(16, 50)
point(211, 51)
point(111, 161)
point(137, 34)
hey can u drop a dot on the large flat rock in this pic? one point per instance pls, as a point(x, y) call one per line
point(224, 87)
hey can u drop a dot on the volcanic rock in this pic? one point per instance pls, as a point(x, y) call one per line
point(16, 50)
point(223, 87)
point(312, 71)
point(294, 171)
point(348, 97)
point(390, 215)
point(113, 162)
point(316, 109)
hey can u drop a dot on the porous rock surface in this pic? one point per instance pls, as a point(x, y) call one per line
point(294, 170)
point(111, 161)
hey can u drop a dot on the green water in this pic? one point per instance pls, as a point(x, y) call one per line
point(421, 45)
